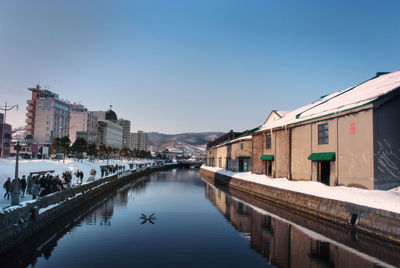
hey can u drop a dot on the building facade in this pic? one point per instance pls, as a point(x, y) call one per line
point(346, 138)
point(126, 132)
point(232, 151)
point(5, 137)
point(47, 116)
point(83, 124)
point(139, 141)
point(109, 132)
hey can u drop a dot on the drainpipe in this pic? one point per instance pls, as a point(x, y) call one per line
point(337, 150)
point(311, 152)
point(290, 153)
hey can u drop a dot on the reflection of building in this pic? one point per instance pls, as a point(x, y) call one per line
point(281, 243)
point(139, 141)
point(83, 124)
point(47, 116)
point(109, 131)
point(7, 136)
point(126, 131)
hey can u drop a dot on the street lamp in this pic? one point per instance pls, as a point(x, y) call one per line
point(16, 183)
point(5, 109)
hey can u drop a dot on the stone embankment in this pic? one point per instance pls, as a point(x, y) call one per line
point(377, 223)
point(18, 223)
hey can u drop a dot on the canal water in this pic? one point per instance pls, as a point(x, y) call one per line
point(194, 224)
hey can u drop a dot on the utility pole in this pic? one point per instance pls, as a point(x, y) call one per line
point(5, 109)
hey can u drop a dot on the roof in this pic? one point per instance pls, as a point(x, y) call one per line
point(340, 101)
point(111, 116)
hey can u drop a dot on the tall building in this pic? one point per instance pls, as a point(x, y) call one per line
point(83, 124)
point(139, 141)
point(5, 139)
point(126, 131)
point(47, 116)
point(109, 132)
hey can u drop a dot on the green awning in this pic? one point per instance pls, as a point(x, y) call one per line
point(322, 157)
point(268, 157)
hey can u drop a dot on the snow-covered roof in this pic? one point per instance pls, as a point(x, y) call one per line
point(282, 113)
point(244, 138)
point(340, 101)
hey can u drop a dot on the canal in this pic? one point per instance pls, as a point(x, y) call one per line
point(194, 224)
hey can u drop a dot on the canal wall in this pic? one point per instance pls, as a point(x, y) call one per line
point(18, 223)
point(378, 223)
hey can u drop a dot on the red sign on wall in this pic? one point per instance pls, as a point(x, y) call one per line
point(353, 128)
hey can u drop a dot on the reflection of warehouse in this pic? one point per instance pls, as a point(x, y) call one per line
point(280, 242)
point(348, 138)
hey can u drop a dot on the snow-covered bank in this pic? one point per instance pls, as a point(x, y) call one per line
point(7, 168)
point(386, 200)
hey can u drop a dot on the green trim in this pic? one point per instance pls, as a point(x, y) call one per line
point(328, 156)
point(267, 157)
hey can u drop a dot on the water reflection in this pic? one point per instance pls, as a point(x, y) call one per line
point(97, 212)
point(189, 231)
point(283, 243)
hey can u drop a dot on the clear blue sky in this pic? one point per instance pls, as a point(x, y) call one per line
point(183, 66)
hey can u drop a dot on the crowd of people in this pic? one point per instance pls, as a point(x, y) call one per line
point(40, 184)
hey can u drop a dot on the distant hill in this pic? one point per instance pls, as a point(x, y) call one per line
point(160, 141)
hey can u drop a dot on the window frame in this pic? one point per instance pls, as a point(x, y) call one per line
point(323, 134)
point(268, 141)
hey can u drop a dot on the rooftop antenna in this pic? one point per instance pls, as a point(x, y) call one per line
point(110, 107)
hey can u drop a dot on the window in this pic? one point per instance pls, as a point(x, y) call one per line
point(47, 134)
point(220, 162)
point(48, 122)
point(268, 141)
point(323, 134)
point(47, 128)
point(241, 146)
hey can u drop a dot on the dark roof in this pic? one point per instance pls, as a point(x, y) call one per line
point(111, 115)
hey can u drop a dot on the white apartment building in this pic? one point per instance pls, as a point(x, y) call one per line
point(126, 130)
point(83, 124)
point(47, 116)
point(139, 141)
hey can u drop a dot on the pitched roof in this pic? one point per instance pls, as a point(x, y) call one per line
point(340, 101)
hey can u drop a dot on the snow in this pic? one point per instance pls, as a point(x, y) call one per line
point(248, 137)
point(378, 199)
point(340, 101)
point(7, 169)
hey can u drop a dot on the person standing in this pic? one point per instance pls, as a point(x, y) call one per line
point(81, 176)
point(7, 186)
point(23, 185)
point(35, 188)
point(29, 183)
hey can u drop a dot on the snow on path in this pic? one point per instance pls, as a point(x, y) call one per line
point(7, 169)
point(386, 200)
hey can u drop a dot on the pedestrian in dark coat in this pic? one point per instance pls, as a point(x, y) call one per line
point(29, 182)
point(23, 185)
point(6, 186)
